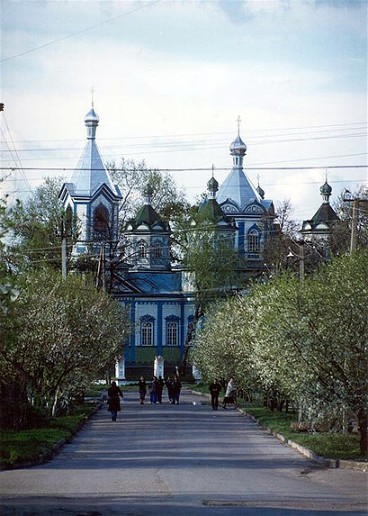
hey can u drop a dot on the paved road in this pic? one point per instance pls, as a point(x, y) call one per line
point(180, 460)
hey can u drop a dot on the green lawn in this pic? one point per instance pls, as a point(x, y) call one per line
point(22, 446)
point(329, 445)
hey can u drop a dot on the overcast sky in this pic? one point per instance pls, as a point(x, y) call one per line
point(170, 79)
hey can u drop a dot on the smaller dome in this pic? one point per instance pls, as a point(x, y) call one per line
point(325, 189)
point(260, 191)
point(148, 190)
point(212, 185)
point(238, 146)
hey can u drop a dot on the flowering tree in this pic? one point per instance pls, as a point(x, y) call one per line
point(59, 336)
point(307, 340)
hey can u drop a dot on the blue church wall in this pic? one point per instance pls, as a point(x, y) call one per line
point(165, 319)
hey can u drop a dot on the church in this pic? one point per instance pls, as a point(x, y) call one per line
point(157, 295)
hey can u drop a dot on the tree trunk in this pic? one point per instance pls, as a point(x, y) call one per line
point(54, 404)
point(363, 424)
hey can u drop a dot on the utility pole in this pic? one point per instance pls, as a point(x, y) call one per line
point(355, 200)
point(354, 225)
point(300, 257)
point(101, 268)
point(63, 250)
point(301, 261)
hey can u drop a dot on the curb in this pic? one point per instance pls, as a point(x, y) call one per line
point(306, 452)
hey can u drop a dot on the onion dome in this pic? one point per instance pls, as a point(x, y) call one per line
point(91, 121)
point(148, 192)
point(212, 187)
point(325, 191)
point(238, 146)
point(91, 116)
point(260, 191)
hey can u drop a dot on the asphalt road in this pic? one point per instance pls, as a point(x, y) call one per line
point(180, 460)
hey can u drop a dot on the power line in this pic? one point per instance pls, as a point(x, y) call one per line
point(187, 169)
point(363, 124)
point(91, 27)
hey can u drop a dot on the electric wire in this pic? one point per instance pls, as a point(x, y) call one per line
point(86, 29)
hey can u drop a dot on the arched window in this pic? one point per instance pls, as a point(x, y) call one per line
point(172, 331)
point(147, 331)
point(253, 241)
point(142, 249)
point(157, 250)
point(101, 219)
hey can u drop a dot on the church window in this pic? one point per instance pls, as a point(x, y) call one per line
point(101, 219)
point(157, 250)
point(253, 241)
point(172, 332)
point(142, 249)
point(147, 332)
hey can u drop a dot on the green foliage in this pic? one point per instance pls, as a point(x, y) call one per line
point(37, 226)
point(30, 445)
point(132, 178)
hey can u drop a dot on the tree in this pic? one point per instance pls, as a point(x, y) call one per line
point(341, 232)
point(59, 335)
point(212, 264)
point(277, 244)
point(132, 179)
point(307, 341)
point(37, 225)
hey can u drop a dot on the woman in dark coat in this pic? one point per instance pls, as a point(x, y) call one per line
point(114, 393)
point(142, 389)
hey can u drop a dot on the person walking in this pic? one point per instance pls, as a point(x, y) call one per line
point(170, 391)
point(176, 390)
point(160, 388)
point(153, 390)
point(114, 394)
point(142, 386)
point(230, 394)
point(215, 389)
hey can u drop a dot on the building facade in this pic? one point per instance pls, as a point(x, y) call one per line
point(157, 295)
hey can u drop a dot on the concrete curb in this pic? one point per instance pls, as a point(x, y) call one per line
point(306, 452)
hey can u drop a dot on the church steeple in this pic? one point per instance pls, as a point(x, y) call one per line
point(91, 172)
point(237, 188)
point(90, 191)
point(238, 148)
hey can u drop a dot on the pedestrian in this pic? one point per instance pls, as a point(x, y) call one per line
point(153, 390)
point(215, 389)
point(169, 386)
point(114, 394)
point(176, 388)
point(142, 389)
point(160, 388)
point(230, 394)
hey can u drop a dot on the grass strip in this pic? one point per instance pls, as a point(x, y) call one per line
point(331, 445)
point(25, 446)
